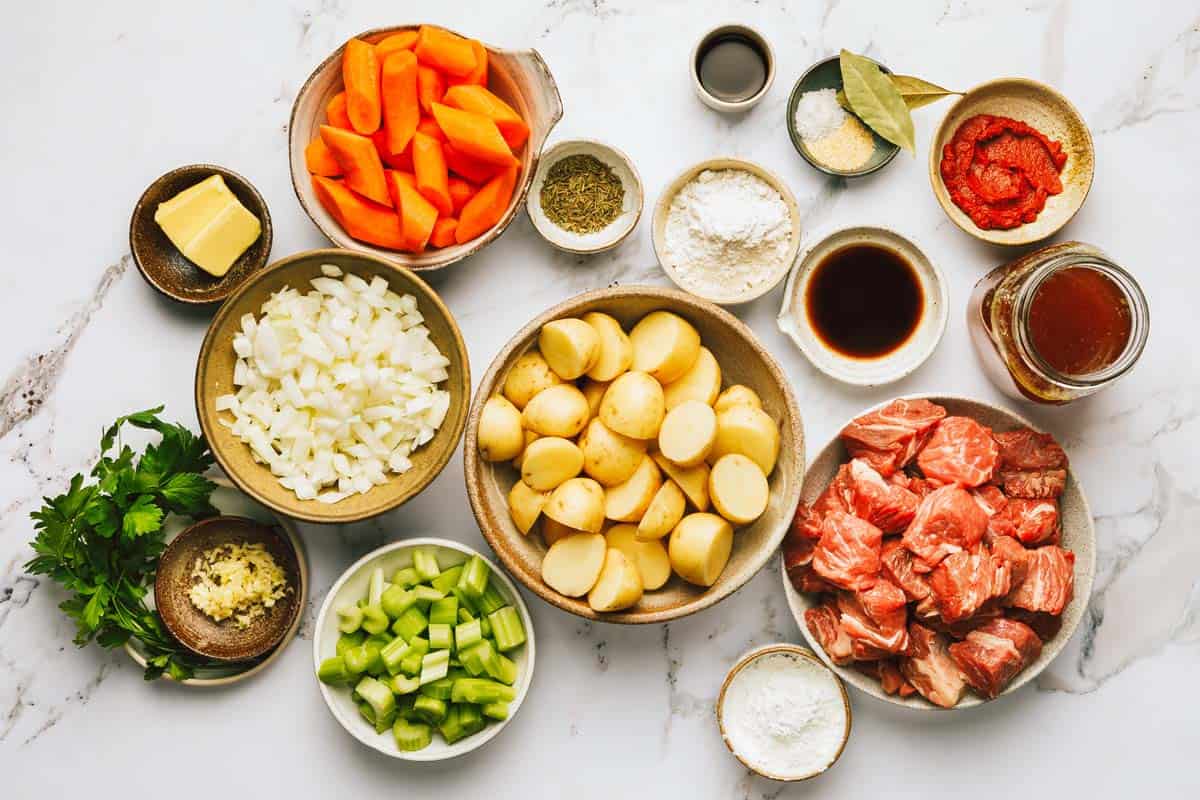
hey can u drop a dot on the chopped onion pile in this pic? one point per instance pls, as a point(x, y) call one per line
point(336, 387)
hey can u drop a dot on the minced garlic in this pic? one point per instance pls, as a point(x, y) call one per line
point(237, 580)
point(846, 149)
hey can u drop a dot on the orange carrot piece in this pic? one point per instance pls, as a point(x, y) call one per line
point(472, 169)
point(417, 215)
point(401, 111)
point(446, 51)
point(460, 192)
point(474, 135)
point(443, 232)
point(319, 159)
point(479, 75)
point(359, 161)
point(430, 87)
point(429, 166)
point(429, 127)
point(360, 74)
point(359, 217)
point(404, 40)
point(481, 101)
point(335, 112)
point(401, 160)
point(487, 206)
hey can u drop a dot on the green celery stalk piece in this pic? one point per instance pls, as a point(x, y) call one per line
point(474, 578)
point(411, 663)
point(501, 668)
point(464, 614)
point(348, 640)
point(446, 581)
point(356, 660)
point(374, 619)
point(367, 713)
point(507, 629)
point(441, 688)
point(426, 595)
point(396, 600)
point(465, 602)
point(430, 709)
point(470, 719)
point(411, 736)
point(485, 627)
point(375, 586)
point(467, 634)
point(379, 697)
point(434, 665)
point(405, 577)
point(350, 617)
point(392, 654)
point(495, 710)
point(425, 563)
point(474, 656)
point(402, 684)
point(440, 636)
point(333, 671)
point(491, 599)
point(444, 611)
point(374, 659)
point(449, 728)
point(481, 691)
point(411, 623)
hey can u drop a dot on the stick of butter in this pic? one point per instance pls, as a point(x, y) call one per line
point(209, 225)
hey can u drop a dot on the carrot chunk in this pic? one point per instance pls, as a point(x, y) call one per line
point(460, 192)
point(359, 217)
point(474, 135)
point(479, 75)
point(417, 215)
point(429, 167)
point(335, 112)
point(429, 127)
point(481, 101)
point(320, 160)
point(360, 74)
point(401, 160)
point(430, 87)
point(359, 162)
point(462, 164)
point(487, 206)
point(401, 111)
point(404, 40)
point(446, 51)
point(443, 232)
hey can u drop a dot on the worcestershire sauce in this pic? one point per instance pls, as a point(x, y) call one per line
point(731, 67)
point(864, 301)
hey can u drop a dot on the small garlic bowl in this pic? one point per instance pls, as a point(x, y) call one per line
point(612, 234)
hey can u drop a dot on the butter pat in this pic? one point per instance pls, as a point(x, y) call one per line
point(209, 225)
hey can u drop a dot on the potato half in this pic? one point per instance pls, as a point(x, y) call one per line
point(663, 513)
point(520, 459)
point(738, 489)
point(593, 392)
point(559, 410)
point(577, 503)
point(572, 565)
point(702, 382)
point(550, 460)
point(688, 433)
point(653, 563)
point(619, 586)
point(633, 406)
point(552, 531)
point(692, 480)
point(528, 375)
point(699, 548)
point(525, 505)
point(570, 346)
point(737, 395)
point(500, 435)
point(628, 501)
point(665, 345)
point(749, 431)
point(616, 351)
point(609, 457)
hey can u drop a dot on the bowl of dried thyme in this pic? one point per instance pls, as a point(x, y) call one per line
point(586, 196)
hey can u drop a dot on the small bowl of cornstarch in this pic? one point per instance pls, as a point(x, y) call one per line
point(586, 196)
point(783, 713)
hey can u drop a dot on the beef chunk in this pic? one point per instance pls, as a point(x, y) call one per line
point(947, 521)
point(994, 653)
point(960, 451)
point(930, 669)
point(848, 553)
point(888, 439)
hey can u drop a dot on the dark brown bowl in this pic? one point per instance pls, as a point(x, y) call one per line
point(167, 269)
point(223, 640)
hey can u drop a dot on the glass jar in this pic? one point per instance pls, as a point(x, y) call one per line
point(998, 317)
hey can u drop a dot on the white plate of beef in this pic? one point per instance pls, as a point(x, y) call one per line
point(943, 552)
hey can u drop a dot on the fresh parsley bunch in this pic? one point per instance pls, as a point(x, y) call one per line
point(102, 540)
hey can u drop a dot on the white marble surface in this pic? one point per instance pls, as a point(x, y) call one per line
point(100, 98)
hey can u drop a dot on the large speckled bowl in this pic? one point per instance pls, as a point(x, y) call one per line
point(743, 360)
point(1078, 535)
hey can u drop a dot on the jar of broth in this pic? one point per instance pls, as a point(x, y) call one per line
point(1058, 324)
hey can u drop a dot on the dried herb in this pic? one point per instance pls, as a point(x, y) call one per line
point(582, 194)
point(876, 101)
point(915, 91)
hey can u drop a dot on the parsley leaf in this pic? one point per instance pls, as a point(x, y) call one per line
point(144, 516)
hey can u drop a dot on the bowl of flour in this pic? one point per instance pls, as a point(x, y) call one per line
point(726, 230)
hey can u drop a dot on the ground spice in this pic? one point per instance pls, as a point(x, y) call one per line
point(848, 148)
point(582, 194)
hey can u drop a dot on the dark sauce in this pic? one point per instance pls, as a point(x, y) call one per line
point(864, 301)
point(1079, 321)
point(731, 67)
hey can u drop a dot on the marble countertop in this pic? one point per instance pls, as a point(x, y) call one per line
point(101, 98)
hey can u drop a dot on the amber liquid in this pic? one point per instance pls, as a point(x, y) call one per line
point(731, 67)
point(1079, 321)
point(864, 301)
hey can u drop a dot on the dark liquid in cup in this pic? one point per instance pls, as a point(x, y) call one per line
point(731, 67)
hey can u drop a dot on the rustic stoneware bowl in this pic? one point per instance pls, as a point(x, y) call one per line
point(1078, 535)
point(166, 269)
point(519, 77)
point(743, 360)
point(795, 651)
point(1045, 109)
point(352, 586)
point(214, 377)
point(734, 295)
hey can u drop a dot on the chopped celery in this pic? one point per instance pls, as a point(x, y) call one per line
point(379, 697)
point(405, 577)
point(427, 594)
point(442, 687)
point(411, 623)
point(411, 736)
point(473, 657)
point(474, 578)
point(434, 665)
point(464, 614)
point(374, 659)
point(396, 600)
point(485, 627)
point(375, 586)
point(356, 660)
point(480, 690)
point(467, 634)
point(445, 582)
point(374, 620)
point(507, 629)
point(411, 663)
point(440, 637)
point(495, 710)
point(461, 721)
point(444, 611)
point(425, 563)
point(429, 708)
point(368, 713)
point(381, 638)
point(491, 599)
point(470, 719)
point(348, 640)
point(404, 685)
point(465, 602)
point(392, 654)
point(350, 617)
point(333, 671)
point(501, 668)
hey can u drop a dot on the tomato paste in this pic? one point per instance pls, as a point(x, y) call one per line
point(1000, 171)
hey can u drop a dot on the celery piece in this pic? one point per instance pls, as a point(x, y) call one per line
point(440, 637)
point(481, 690)
point(375, 586)
point(425, 563)
point(429, 708)
point(402, 684)
point(348, 640)
point(378, 696)
point(374, 620)
point(405, 577)
point(411, 663)
point(495, 710)
point(491, 599)
point(333, 671)
point(442, 687)
point(444, 611)
point(426, 595)
point(411, 736)
point(464, 614)
point(467, 634)
point(485, 627)
point(449, 727)
point(411, 623)
point(500, 667)
point(434, 665)
point(374, 659)
point(356, 660)
point(445, 582)
point(474, 578)
point(396, 600)
point(380, 639)
point(367, 713)
point(392, 654)
point(470, 719)
point(507, 629)
point(465, 602)
point(350, 617)
point(473, 657)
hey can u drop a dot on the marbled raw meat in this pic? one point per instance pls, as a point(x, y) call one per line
point(1012, 551)
point(1034, 484)
point(947, 521)
point(836, 497)
point(824, 622)
point(874, 620)
point(964, 581)
point(897, 567)
point(930, 669)
point(918, 486)
point(960, 451)
point(1032, 522)
point(992, 654)
point(888, 438)
point(1046, 626)
point(848, 553)
point(885, 505)
point(1028, 449)
point(1049, 583)
point(990, 499)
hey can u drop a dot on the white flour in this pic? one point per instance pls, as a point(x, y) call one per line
point(727, 232)
point(784, 715)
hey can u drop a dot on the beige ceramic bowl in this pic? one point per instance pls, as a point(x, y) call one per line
point(1044, 108)
point(214, 377)
point(743, 360)
point(731, 106)
point(519, 77)
point(1078, 535)
point(734, 295)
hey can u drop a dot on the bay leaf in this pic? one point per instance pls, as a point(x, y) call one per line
point(876, 101)
point(918, 92)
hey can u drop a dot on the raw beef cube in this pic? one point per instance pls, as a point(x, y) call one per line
point(994, 653)
point(1028, 449)
point(874, 620)
point(1046, 626)
point(960, 451)
point(823, 623)
point(929, 668)
point(1032, 522)
point(1035, 484)
point(885, 505)
point(959, 630)
point(1014, 553)
point(918, 486)
point(947, 521)
point(887, 672)
point(964, 581)
point(1050, 582)
point(797, 562)
point(807, 520)
point(848, 553)
point(888, 438)
point(805, 579)
point(990, 499)
point(897, 567)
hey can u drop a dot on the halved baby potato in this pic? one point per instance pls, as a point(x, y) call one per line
point(572, 565)
point(528, 375)
point(633, 405)
point(525, 505)
point(577, 503)
point(692, 480)
point(627, 502)
point(747, 430)
point(653, 563)
point(593, 392)
point(559, 410)
point(550, 460)
point(570, 346)
point(688, 433)
point(500, 435)
point(616, 351)
point(663, 513)
point(552, 531)
point(738, 489)
point(737, 395)
point(702, 382)
point(520, 459)
point(619, 586)
point(609, 457)
point(699, 548)
point(665, 345)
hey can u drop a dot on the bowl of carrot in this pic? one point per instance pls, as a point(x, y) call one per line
point(417, 144)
